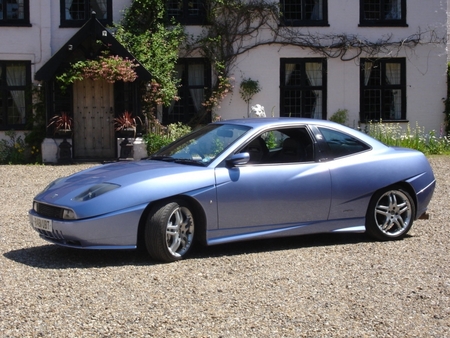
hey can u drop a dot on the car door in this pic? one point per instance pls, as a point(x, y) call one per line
point(354, 176)
point(274, 191)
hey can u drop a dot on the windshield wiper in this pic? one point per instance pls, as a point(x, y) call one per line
point(177, 160)
point(162, 158)
point(189, 161)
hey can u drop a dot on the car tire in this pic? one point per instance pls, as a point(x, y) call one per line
point(169, 231)
point(390, 214)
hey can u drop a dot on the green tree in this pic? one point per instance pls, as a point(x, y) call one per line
point(144, 33)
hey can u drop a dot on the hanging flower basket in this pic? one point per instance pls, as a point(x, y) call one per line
point(111, 68)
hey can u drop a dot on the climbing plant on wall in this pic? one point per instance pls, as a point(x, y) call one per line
point(144, 32)
point(235, 27)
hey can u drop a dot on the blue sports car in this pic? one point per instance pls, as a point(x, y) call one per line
point(240, 180)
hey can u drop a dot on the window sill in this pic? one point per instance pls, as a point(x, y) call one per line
point(382, 24)
point(11, 24)
point(16, 127)
point(306, 24)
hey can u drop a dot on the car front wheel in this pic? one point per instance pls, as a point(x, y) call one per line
point(169, 231)
point(390, 214)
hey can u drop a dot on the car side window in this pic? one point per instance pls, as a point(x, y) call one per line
point(341, 144)
point(287, 145)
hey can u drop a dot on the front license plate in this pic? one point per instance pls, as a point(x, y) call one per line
point(42, 223)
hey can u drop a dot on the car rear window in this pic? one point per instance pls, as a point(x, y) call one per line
point(341, 144)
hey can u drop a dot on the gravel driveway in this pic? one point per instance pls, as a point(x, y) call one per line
point(311, 286)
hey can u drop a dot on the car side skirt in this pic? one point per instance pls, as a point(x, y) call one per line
point(354, 225)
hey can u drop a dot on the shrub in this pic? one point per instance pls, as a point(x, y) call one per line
point(156, 140)
point(392, 134)
point(341, 116)
point(12, 151)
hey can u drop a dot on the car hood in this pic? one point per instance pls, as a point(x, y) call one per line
point(137, 183)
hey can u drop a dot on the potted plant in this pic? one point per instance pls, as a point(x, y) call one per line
point(62, 124)
point(126, 125)
point(247, 90)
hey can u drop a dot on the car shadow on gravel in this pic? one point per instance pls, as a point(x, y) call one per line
point(55, 257)
point(279, 244)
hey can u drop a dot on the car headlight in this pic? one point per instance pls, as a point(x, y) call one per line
point(68, 214)
point(53, 211)
point(95, 191)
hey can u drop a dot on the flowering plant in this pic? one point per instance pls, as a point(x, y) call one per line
point(112, 68)
point(258, 111)
point(12, 151)
point(224, 86)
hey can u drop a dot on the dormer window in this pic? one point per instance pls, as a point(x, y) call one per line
point(74, 13)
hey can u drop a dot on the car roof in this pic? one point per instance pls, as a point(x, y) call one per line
point(276, 121)
point(266, 120)
point(258, 123)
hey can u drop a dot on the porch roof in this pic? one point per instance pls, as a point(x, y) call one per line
point(95, 31)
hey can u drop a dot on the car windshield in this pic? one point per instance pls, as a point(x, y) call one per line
point(202, 146)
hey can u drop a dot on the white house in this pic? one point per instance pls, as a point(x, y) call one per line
point(400, 83)
point(391, 67)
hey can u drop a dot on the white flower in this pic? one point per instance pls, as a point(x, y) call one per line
point(258, 111)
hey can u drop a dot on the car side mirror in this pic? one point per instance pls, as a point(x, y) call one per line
point(237, 159)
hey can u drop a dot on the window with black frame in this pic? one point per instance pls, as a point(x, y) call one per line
point(382, 13)
point(74, 13)
point(194, 75)
point(14, 13)
point(15, 101)
point(383, 90)
point(303, 12)
point(303, 89)
point(187, 12)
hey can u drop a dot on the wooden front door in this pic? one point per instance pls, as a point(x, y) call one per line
point(93, 103)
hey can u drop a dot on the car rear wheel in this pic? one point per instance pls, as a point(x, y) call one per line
point(169, 231)
point(390, 214)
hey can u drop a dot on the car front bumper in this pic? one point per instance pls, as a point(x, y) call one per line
point(116, 230)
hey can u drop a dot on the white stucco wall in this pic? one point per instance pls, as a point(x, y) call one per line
point(426, 65)
point(38, 42)
point(29, 43)
point(45, 37)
